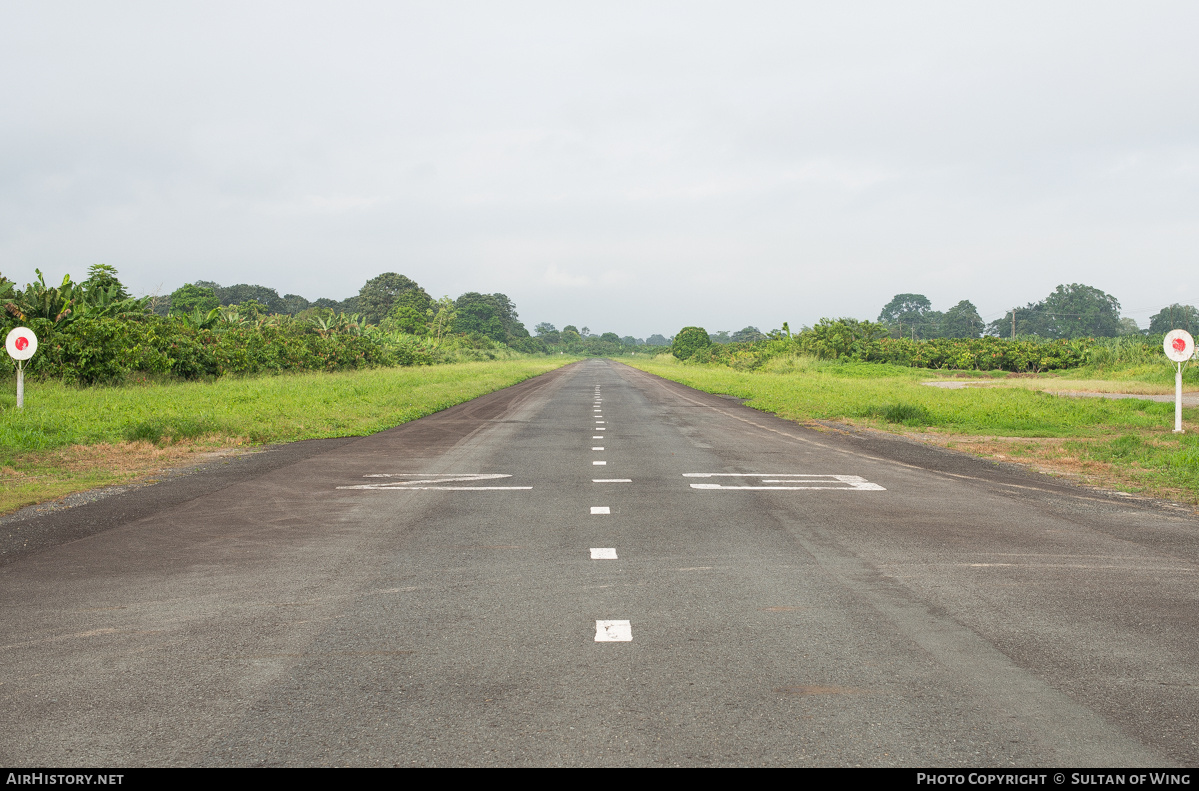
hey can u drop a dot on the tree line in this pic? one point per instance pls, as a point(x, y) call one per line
point(1072, 310)
point(95, 331)
point(396, 303)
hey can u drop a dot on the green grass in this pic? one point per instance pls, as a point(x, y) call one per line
point(1130, 441)
point(886, 393)
point(71, 438)
point(261, 409)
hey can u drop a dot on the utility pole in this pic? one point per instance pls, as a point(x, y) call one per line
point(1013, 324)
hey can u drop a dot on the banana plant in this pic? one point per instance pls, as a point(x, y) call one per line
point(324, 323)
point(39, 301)
point(229, 315)
point(201, 320)
point(96, 300)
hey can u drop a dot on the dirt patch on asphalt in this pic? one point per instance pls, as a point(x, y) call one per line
point(53, 479)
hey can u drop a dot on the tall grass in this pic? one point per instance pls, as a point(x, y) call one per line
point(825, 390)
point(260, 409)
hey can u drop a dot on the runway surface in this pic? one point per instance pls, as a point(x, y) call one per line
point(599, 567)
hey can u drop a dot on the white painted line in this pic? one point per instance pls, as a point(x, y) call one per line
point(385, 487)
point(599, 463)
point(421, 480)
point(788, 481)
point(603, 553)
point(440, 476)
point(611, 480)
point(598, 436)
point(599, 422)
point(597, 448)
point(601, 429)
point(613, 632)
point(600, 509)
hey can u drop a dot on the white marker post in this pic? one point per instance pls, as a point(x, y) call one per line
point(21, 343)
point(1179, 346)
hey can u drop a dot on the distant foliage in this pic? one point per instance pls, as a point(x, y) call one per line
point(189, 298)
point(379, 294)
point(912, 316)
point(94, 332)
point(1175, 317)
point(865, 341)
point(1071, 311)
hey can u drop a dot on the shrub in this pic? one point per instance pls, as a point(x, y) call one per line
point(689, 341)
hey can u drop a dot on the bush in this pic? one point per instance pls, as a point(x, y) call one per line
point(689, 341)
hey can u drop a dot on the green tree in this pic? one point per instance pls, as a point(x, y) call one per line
point(492, 315)
point(610, 337)
point(906, 314)
point(442, 315)
point(689, 341)
point(1071, 311)
point(547, 333)
point(1078, 311)
point(1175, 317)
point(376, 297)
point(103, 278)
point(1129, 326)
point(411, 311)
point(479, 313)
point(294, 304)
point(190, 298)
point(747, 334)
point(962, 321)
point(657, 340)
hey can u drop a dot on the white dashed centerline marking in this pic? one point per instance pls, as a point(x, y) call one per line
point(600, 509)
point(597, 448)
point(603, 553)
point(601, 436)
point(613, 632)
point(599, 463)
point(611, 480)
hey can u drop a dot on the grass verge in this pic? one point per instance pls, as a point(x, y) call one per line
point(69, 439)
point(1124, 444)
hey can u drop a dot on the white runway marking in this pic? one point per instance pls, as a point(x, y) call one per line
point(600, 509)
point(597, 448)
point(422, 481)
point(601, 436)
point(601, 429)
point(787, 481)
point(599, 463)
point(611, 480)
point(599, 423)
point(613, 632)
point(603, 553)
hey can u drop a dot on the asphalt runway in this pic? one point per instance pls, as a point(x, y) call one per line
point(598, 567)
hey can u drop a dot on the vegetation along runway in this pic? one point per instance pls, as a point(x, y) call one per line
point(597, 566)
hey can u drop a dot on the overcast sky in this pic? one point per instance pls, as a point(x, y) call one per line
point(632, 167)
